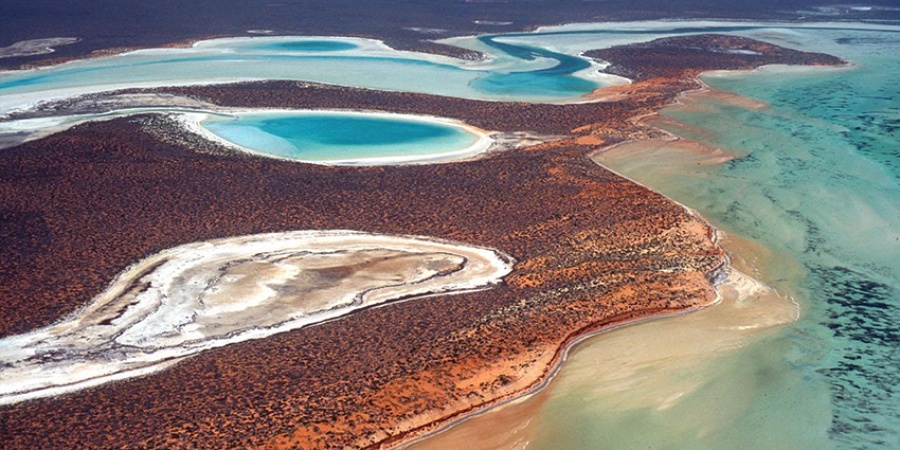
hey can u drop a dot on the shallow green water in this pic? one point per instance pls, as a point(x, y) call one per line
point(823, 164)
point(815, 183)
point(818, 180)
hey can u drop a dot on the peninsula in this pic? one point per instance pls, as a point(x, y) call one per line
point(592, 250)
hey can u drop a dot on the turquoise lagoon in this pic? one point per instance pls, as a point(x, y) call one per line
point(332, 137)
point(341, 61)
point(343, 137)
point(819, 177)
point(811, 186)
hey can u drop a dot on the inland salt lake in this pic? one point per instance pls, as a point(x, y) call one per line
point(347, 138)
point(805, 189)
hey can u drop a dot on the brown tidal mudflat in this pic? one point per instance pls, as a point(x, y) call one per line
point(593, 250)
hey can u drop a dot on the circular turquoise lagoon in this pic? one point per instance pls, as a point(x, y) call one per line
point(347, 138)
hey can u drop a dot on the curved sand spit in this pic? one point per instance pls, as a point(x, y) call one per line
point(204, 295)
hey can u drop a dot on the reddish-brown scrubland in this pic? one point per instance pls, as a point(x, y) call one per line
point(593, 250)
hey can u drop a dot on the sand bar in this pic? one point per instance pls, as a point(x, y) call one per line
point(364, 65)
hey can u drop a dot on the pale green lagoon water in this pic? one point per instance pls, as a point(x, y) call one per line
point(815, 184)
point(818, 179)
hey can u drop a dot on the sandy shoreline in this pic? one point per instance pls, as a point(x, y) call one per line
point(101, 53)
point(363, 47)
point(35, 46)
point(731, 279)
point(554, 367)
point(521, 281)
point(555, 364)
point(725, 276)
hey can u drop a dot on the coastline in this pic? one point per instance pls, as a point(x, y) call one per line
point(363, 46)
point(436, 49)
point(553, 368)
point(101, 53)
point(458, 169)
point(726, 272)
point(33, 47)
point(558, 356)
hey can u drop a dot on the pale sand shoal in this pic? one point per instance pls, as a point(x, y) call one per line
point(35, 46)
